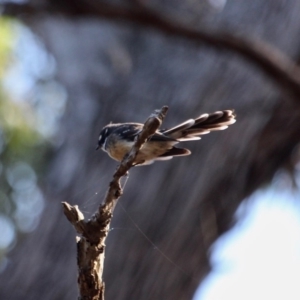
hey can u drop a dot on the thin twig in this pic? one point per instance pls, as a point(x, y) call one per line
point(93, 233)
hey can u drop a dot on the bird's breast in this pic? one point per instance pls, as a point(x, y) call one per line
point(117, 149)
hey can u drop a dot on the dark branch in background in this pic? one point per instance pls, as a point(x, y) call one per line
point(271, 61)
point(93, 233)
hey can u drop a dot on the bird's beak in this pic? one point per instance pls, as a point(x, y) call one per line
point(97, 147)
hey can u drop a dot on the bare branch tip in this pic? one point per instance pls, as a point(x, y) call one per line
point(159, 114)
point(164, 109)
point(72, 213)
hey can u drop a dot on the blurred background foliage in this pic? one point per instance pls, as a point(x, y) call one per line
point(27, 123)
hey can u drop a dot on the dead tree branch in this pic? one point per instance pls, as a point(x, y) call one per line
point(93, 233)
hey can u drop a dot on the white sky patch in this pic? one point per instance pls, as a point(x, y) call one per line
point(260, 258)
point(7, 235)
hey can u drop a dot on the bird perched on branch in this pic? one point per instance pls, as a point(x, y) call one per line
point(118, 139)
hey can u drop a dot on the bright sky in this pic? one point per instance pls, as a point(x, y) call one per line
point(260, 258)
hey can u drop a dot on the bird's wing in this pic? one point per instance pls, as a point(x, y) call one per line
point(131, 131)
point(160, 137)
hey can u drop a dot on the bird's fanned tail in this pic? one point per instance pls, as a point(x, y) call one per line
point(205, 123)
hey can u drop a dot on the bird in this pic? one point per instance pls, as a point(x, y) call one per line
point(117, 139)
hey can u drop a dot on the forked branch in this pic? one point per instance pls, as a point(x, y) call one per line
point(93, 233)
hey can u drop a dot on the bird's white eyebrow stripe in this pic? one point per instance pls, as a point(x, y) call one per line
point(100, 137)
